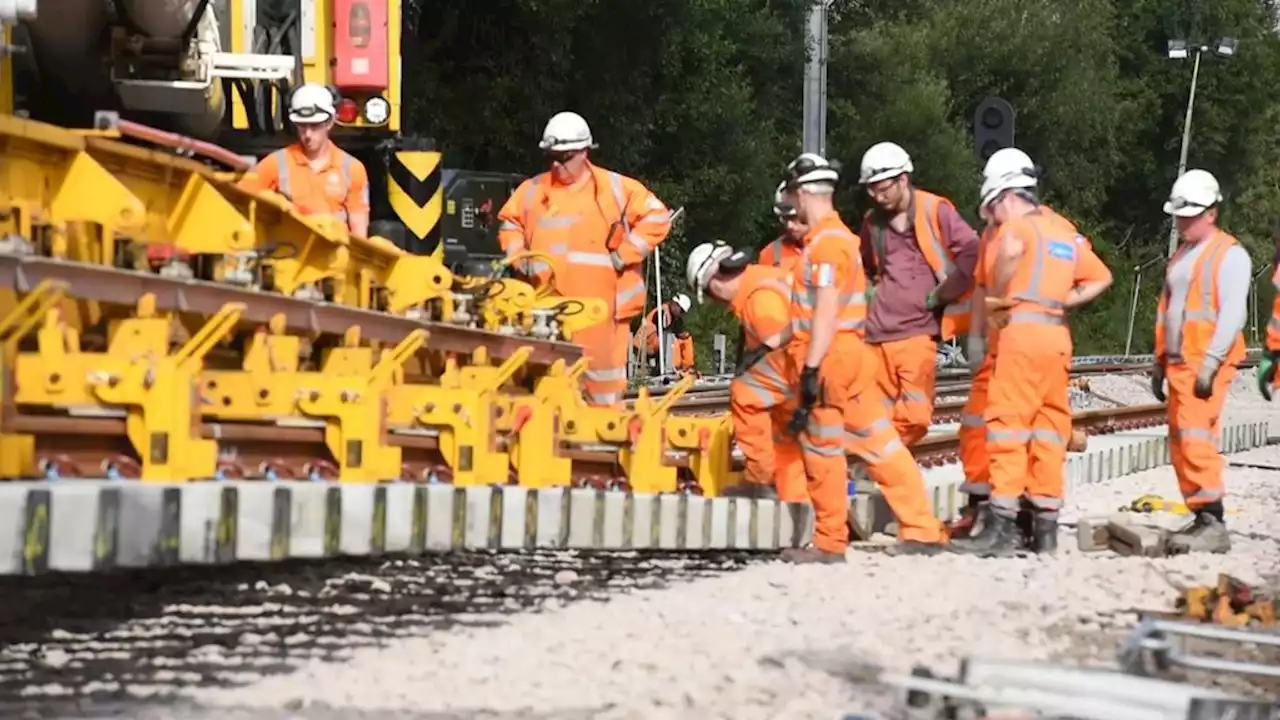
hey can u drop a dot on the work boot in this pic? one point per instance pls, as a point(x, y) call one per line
point(999, 536)
point(915, 547)
point(810, 555)
point(1027, 526)
point(752, 491)
point(1208, 534)
point(1045, 534)
point(972, 518)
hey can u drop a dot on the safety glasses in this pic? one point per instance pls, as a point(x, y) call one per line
point(560, 156)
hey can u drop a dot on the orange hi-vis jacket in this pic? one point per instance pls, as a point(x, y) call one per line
point(339, 189)
point(781, 253)
point(1055, 259)
point(928, 231)
point(831, 258)
point(1201, 308)
point(599, 233)
point(763, 305)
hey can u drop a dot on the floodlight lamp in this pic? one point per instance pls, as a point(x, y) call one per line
point(1226, 47)
point(1178, 49)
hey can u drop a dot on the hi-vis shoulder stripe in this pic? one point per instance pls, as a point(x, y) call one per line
point(416, 192)
point(91, 526)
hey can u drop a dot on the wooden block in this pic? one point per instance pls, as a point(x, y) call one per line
point(1136, 540)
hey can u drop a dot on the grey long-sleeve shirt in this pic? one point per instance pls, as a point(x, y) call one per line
point(1233, 298)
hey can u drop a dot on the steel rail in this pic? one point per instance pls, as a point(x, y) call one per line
point(115, 286)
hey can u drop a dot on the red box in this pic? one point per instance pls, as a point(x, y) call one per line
point(360, 60)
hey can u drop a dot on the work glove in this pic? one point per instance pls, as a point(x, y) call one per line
point(975, 350)
point(1157, 381)
point(931, 300)
point(810, 394)
point(1204, 378)
point(1266, 373)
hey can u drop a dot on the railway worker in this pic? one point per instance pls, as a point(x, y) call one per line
point(316, 175)
point(828, 374)
point(760, 297)
point(785, 250)
point(1266, 372)
point(672, 314)
point(599, 226)
point(919, 255)
point(1199, 341)
point(973, 429)
point(1041, 267)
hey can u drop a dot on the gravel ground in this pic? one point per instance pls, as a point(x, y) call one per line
point(614, 636)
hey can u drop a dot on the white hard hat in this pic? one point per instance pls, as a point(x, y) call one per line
point(683, 301)
point(883, 161)
point(781, 207)
point(1007, 169)
point(565, 132)
point(1193, 193)
point(703, 262)
point(311, 104)
point(812, 168)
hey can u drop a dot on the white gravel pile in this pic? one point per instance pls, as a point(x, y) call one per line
point(775, 641)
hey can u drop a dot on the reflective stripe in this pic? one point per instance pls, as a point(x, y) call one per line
point(913, 396)
point(1207, 496)
point(604, 398)
point(1032, 293)
point(626, 295)
point(1202, 434)
point(883, 452)
point(587, 258)
point(283, 162)
point(1033, 317)
point(878, 426)
point(1209, 259)
point(663, 216)
point(508, 226)
point(972, 421)
point(755, 379)
point(777, 254)
point(1008, 435)
point(607, 375)
point(1048, 436)
point(563, 221)
point(1045, 502)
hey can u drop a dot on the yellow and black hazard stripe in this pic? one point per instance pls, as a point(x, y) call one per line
point(416, 193)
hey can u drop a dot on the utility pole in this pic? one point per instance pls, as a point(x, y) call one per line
point(815, 79)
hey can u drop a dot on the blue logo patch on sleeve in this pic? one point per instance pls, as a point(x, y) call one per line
point(1061, 250)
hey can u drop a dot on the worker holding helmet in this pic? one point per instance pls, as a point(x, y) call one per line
point(760, 297)
point(1266, 371)
point(784, 251)
point(1201, 314)
point(598, 226)
point(313, 173)
point(1042, 266)
point(672, 315)
point(919, 256)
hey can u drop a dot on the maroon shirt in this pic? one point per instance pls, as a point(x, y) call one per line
point(898, 309)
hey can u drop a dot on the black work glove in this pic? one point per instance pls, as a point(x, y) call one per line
point(1157, 382)
point(1204, 378)
point(810, 394)
point(1266, 373)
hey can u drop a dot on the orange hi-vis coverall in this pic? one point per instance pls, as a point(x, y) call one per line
point(909, 364)
point(646, 340)
point(1192, 284)
point(599, 232)
point(762, 305)
point(1273, 326)
point(1028, 413)
point(850, 415)
point(973, 428)
point(781, 253)
point(340, 188)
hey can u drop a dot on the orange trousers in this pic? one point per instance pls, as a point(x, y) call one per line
point(973, 434)
point(1193, 433)
point(772, 457)
point(605, 348)
point(908, 371)
point(1028, 425)
point(870, 435)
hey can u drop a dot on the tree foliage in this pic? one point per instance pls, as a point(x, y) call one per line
point(702, 99)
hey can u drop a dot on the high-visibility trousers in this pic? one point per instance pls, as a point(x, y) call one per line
point(973, 434)
point(1194, 425)
point(1028, 420)
point(605, 348)
point(870, 435)
point(774, 382)
point(772, 457)
point(908, 373)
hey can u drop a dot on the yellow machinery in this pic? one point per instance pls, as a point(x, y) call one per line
point(158, 322)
